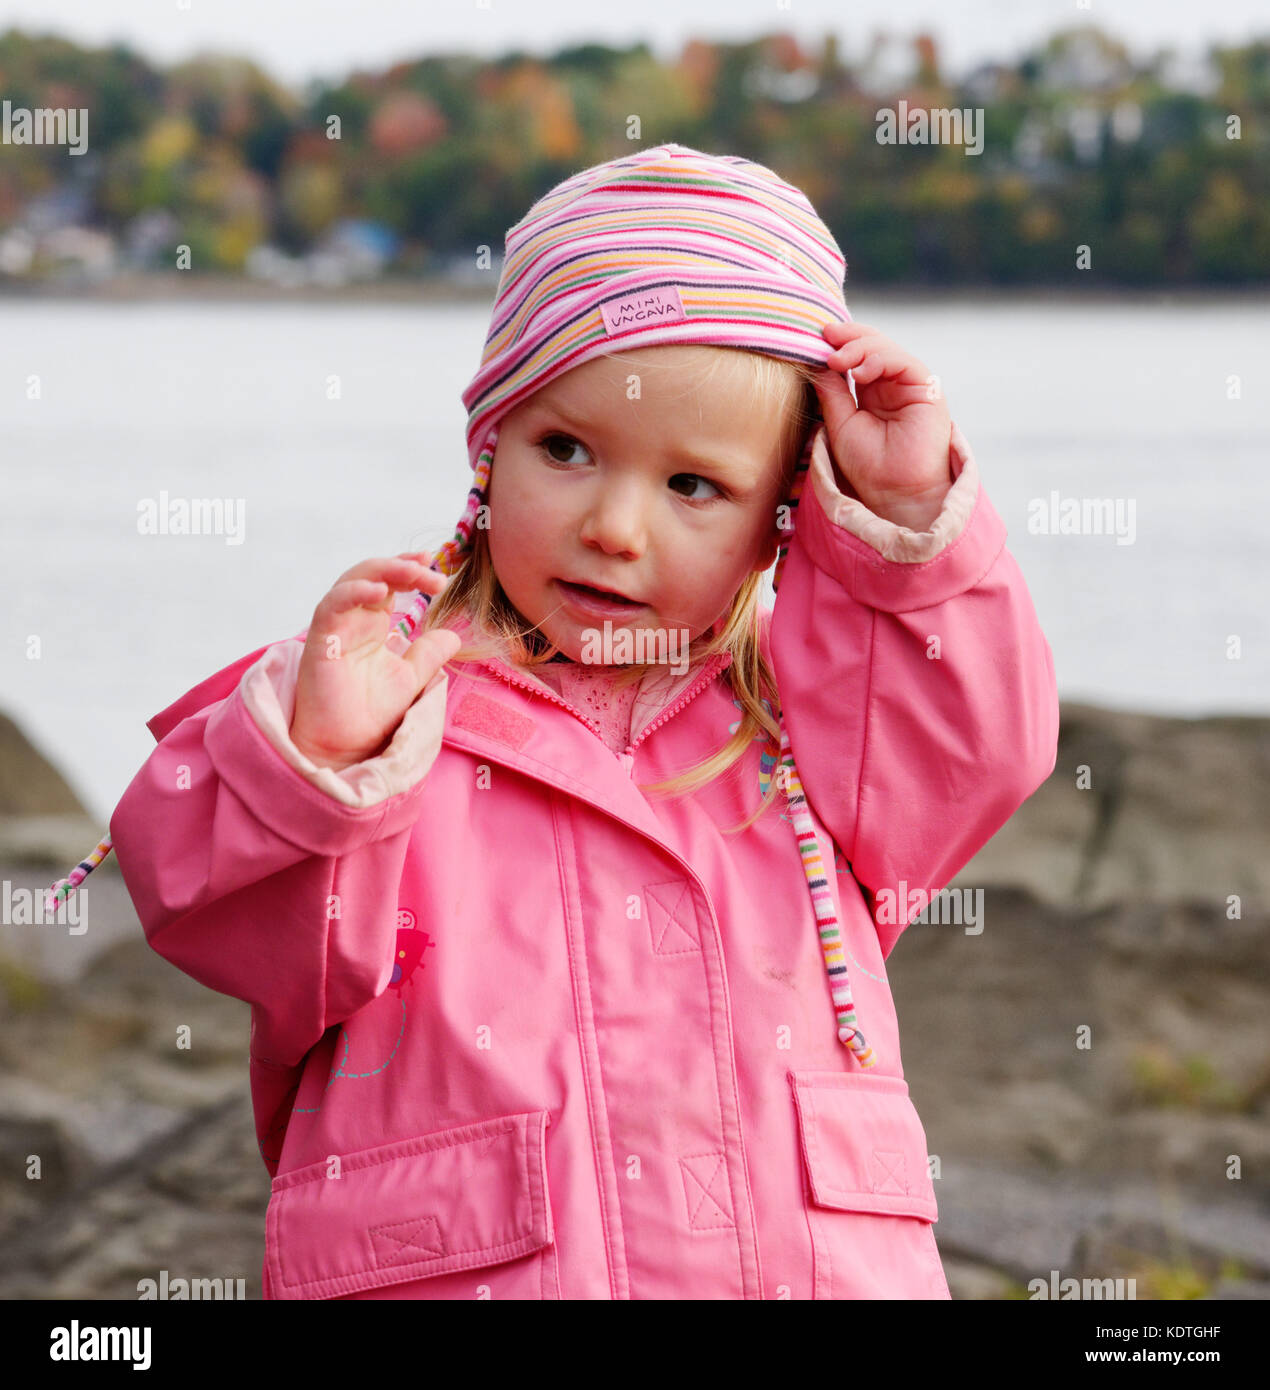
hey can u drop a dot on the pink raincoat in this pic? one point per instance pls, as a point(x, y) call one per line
point(519, 1031)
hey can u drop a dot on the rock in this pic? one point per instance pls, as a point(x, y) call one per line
point(1026, 1224)
point(72, 1137)
point(192, 1203)
point(219, 1168)
point(1182, 1146)
point(34, 1123)
point(55, 948)
point(1004, 1218)
point(29, 784)
point(1175, 812)
point(167, 1082)
point(1125, 1246)
point(162, 1236)
point(1240, 1288)
point(974, 1283)
point(1174, 1003)
point(1049, 1121)
point(56, 843)
point(118, 1128)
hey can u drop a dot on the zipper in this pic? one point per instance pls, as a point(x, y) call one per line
point(506, 673)
point(707, 674)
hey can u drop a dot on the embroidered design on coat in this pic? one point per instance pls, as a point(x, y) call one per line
point(410, 944)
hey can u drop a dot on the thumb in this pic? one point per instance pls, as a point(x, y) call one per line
point(430, 651)
point(836, 400)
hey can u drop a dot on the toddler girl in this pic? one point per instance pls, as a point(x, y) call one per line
point(567, 981)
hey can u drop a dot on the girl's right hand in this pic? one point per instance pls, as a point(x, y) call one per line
point(352, 689)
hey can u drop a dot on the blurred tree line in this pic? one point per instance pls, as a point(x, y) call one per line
point(1160, 166)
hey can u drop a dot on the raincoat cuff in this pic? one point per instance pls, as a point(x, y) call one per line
point(892, 542)
point(268, 692)
point(963, 550)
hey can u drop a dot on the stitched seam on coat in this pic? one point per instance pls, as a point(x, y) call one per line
point(864, 746)
point(558, 776)
point(297, 1183)
point(326, 946)
point(587, 1042)
point(728, 1222)
point(534, 1139)
point(882, 1157)
point(410, 1266)
point(808, 1209)
point(813, 1156)
point(414, 1222)
point(733, 1178)
point(547, 1254)
point(672, 918)
point(974, 583)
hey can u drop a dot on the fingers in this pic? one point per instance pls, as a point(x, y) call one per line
point(430, 651)
point(407, 570)
point(369, 586)
point(836, 400)
point(869, 355)
point(353, 593)
point(855, 343)
point(842, 330)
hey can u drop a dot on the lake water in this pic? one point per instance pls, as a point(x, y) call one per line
point(1120, 400)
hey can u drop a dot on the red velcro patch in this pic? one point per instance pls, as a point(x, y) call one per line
point(494, 720)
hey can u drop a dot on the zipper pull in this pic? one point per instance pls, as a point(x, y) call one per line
point(628, 762)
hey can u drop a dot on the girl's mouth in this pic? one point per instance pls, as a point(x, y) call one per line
point(598, 602)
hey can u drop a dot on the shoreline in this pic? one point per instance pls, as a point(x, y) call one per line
point(178, 286)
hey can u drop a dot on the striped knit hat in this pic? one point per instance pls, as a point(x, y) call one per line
point(664, 245)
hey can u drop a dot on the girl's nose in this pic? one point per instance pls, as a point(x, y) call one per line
point(616, 522)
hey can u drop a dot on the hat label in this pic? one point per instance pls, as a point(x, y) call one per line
point(641, 310)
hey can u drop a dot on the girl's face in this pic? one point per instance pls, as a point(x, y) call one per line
point(668, 499)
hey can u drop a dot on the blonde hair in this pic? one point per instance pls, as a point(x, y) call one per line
point(475, 593)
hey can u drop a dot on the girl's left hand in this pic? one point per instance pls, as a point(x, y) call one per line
point(892, 443)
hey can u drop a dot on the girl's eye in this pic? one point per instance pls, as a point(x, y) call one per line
point(698, 478)
point(562, 442)
point(558, 446)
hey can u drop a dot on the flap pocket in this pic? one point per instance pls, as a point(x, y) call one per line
point(863, 1144)
point(457, 1198)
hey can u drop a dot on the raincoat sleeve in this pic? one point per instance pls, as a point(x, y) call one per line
point(917, 687)
point(261, 880)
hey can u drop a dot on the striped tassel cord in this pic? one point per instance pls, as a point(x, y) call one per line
point(808, 845)
point(454, 551)
point(64, 887)
point(826, 917)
